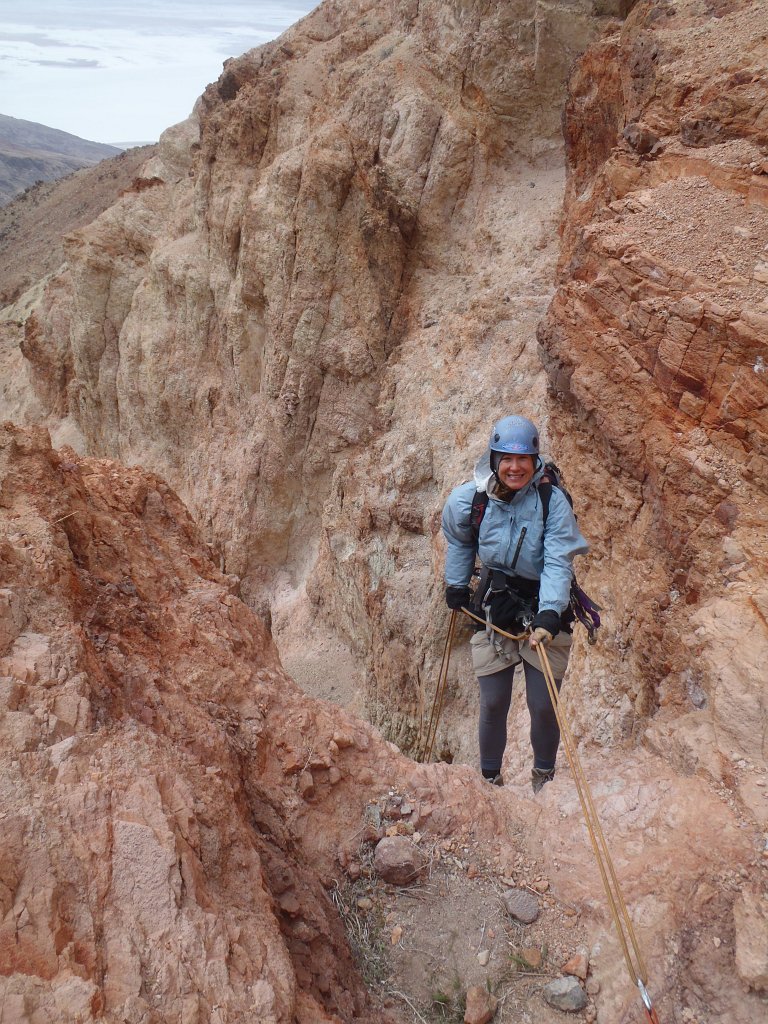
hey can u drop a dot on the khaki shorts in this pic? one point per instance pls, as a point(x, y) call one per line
point(492, 654)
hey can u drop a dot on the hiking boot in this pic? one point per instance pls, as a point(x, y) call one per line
point(540, 776)
point(495, 780)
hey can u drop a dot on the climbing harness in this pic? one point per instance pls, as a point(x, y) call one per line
point(626, 933)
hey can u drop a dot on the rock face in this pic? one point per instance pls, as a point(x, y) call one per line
point(157, 857)
point(280, 318)
point(656, 343)
point(303, 314)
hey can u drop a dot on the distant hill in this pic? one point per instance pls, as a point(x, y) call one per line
point(33, 226)
point(32, 152)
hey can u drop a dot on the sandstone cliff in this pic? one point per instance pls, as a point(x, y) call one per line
point(312, 302)
point(656, 342)
point(272, 320)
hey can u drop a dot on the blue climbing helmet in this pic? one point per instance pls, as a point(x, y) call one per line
point(514, 435)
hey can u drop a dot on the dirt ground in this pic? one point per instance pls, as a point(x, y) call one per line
point(421, 947)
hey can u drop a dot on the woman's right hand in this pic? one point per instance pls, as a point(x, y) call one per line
point(457, 597)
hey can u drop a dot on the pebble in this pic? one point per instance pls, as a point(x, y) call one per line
point(532, 956)
point(364, 903)
point(483, 957)
point(397, 934)
point(521, 905)
point(398, 860)
point(578, 965)
point(565, 994)
point(481, 1005)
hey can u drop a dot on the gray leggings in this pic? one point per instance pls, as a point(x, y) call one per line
point(495, 698)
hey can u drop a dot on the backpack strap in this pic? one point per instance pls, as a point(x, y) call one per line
point(545, 493)
point(476, 513)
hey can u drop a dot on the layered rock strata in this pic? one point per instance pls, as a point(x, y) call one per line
point(656, 342)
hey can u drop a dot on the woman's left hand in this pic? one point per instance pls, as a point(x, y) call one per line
point(545, 625)
point(539, 636)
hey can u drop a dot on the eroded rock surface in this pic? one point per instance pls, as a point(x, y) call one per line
point(158, 858)
point(656, 342)
point(303, 315)
point(310, 303)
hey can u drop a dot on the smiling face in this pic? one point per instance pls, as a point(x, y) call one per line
point(516, 471)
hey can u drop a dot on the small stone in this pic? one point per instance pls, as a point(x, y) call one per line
point(578, 965)
point(750, 915)
point(364, 904)
point(306, 785)
point(289, 904)
point(640, 137)
point(593, 986)
point(481, 1005)
point(472, 870)
point(532, 956)
point(354, 870)
point(334, 776)
point(396, 935)
point(540, 885)
point(398, 860)
point(565, 994)
point(521, 905)
point(483, 957)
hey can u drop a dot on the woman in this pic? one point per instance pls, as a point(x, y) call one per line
point(526, 541)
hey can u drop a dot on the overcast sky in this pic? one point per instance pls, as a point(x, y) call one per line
point(124, 70)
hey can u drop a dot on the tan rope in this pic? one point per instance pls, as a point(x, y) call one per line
point(439, 699)
point(616, 902)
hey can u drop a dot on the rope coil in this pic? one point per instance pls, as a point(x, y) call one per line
point(630, 946)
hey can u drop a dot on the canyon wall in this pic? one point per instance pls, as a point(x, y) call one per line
point(303, 314)
point(159, 860)
point(312, 303)
point(656, 344)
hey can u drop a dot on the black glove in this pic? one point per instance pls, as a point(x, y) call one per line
point(547, 619)
point(457, 597)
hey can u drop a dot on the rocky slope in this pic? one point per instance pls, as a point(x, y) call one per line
point(30, 153)
point(315, 298)
point(273, 318)
point(180, 824)
point(155, 847)
point(33, 227)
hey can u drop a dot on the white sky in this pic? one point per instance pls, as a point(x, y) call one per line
point(124, 70)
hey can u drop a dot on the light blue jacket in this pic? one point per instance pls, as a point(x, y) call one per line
point(546, 557)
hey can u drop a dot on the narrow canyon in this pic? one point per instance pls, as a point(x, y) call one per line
point(238, 383)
